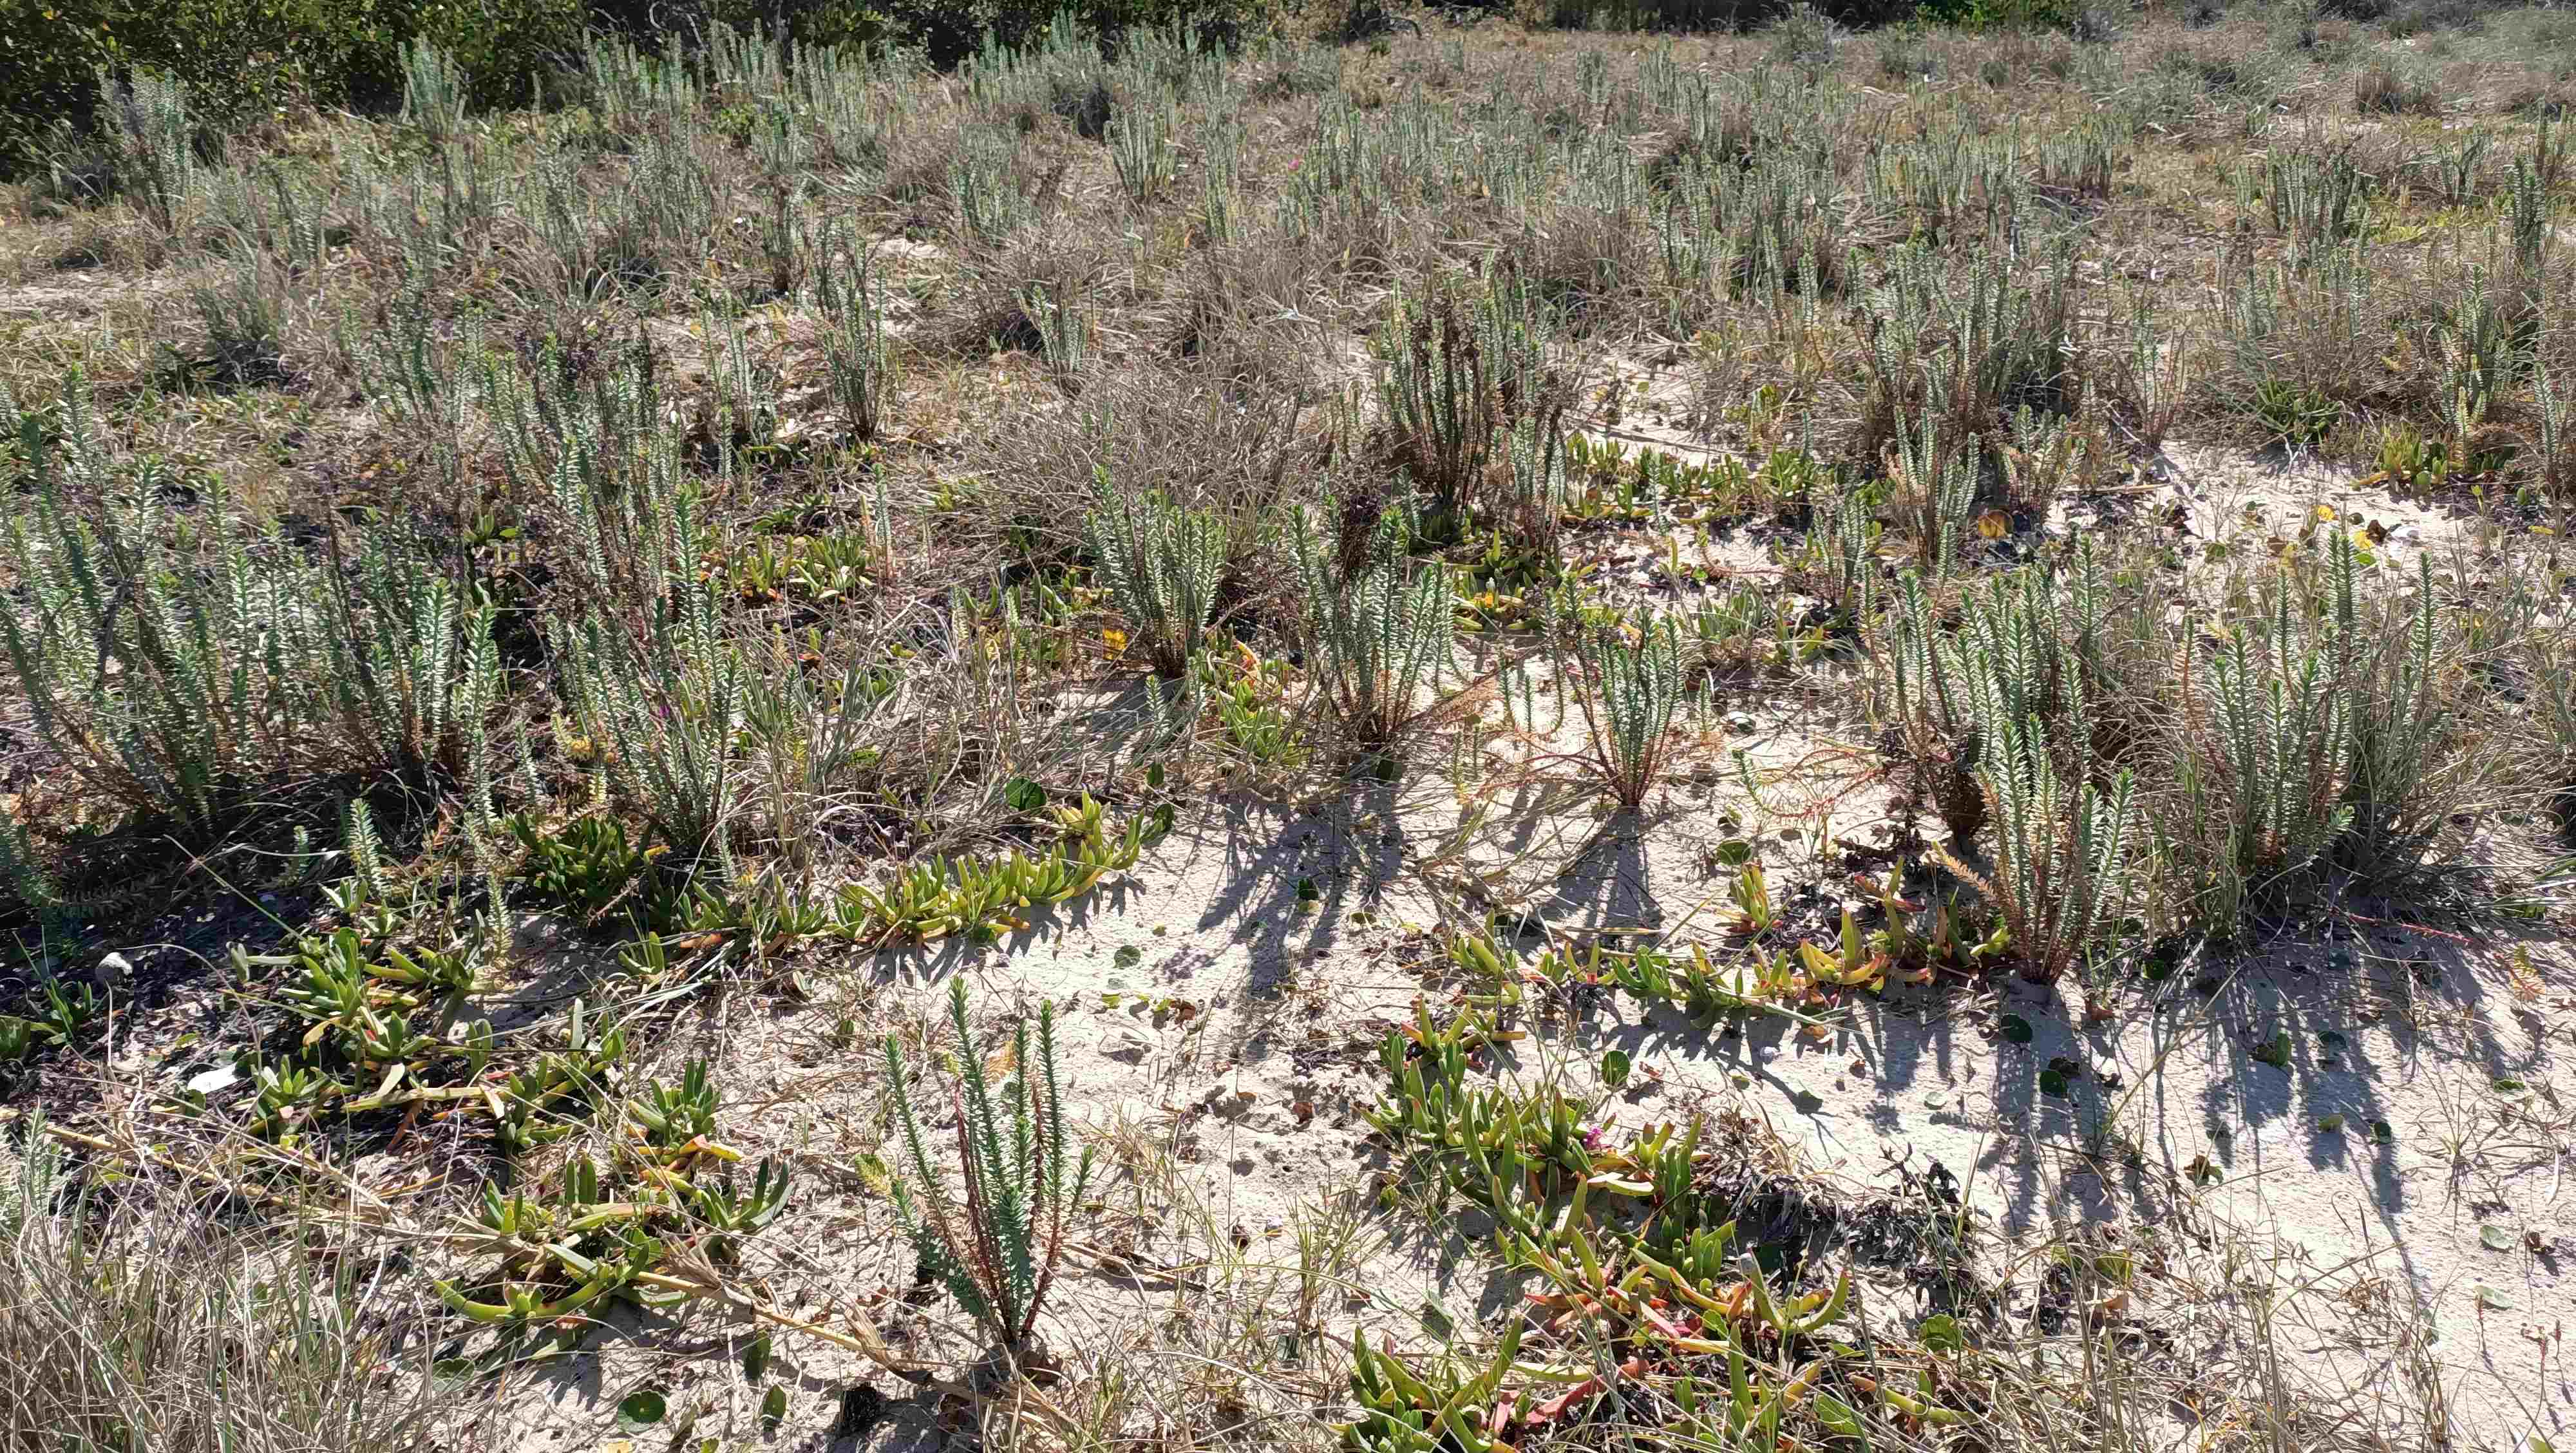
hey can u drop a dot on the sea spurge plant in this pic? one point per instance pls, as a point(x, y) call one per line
point(433, 91)
point(2316, 202)
point(2527, 208)
point(1063, 323)
point(2400, 731)
point(1935, 489)
point(1381, 635)
point(174, 661)
point(1534, 509)
point(1461, 367)
point(984, 181)
point(656, 700)
point(154, 683)
point(2553, 436)
point(2480, 359)
point(2316, 731)
point(2059, 846)
point(2282, 733)
point(156, 158)
point(1140, 148)
point(1631, 693)
point(1160, 563)
point(1838, 562)
point(1993, 720)
point(2020, 644)
point(411, 663)
point(858, 350)
point(996, 1250)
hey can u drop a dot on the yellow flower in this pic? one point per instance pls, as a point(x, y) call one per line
point(1994, 524)
point(1114, 639)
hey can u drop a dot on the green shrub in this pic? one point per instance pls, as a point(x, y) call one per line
point(241, 58)
point(949, 32)
point(806, 22)
point(1999, 14)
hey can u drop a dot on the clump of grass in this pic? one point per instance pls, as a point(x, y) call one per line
point(158, 1329)
point(2381, 90)
point(245, 326)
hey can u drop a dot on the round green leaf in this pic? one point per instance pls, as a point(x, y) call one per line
point(2016, 1029)
point(2496, 1238)
point(641, 1409)
point(1023, 795)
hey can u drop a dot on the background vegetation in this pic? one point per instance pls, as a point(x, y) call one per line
point(548, 543)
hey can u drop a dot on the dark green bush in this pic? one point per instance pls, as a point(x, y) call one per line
point(688, 22)
point(241, 58)
point(1707, 15)
point(949, 32)
point(2002, 14)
